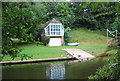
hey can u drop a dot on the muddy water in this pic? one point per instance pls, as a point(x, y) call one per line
point(53, 70)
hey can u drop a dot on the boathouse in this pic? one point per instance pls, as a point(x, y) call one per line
point(55, 30)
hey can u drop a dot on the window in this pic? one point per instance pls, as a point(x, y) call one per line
point(48, 30)
point(55, 29)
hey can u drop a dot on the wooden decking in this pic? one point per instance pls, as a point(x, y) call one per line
point(75, 53)
point(79, 54)
point(37, 60)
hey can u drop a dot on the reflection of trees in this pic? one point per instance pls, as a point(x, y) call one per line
point(55, 71)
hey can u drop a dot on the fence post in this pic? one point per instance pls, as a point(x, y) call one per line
point(107, 36)
point(116, 34)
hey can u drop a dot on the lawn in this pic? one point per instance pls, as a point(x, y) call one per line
point(85, 36)
point(92, 42)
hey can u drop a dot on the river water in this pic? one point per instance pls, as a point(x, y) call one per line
point(53, 70)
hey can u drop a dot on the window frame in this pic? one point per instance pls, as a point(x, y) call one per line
point(56, 29)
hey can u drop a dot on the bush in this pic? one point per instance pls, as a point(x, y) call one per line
point(111, 70)
point(45, 40)
point(66, 35)
point(68, 21)
point(38, 43)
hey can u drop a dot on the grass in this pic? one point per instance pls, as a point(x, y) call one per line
point(93, 42)
point(85, 36)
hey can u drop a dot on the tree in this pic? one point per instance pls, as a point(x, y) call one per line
point(23, 20)
point(111, 70)
point(18, 21)
point(94, 15)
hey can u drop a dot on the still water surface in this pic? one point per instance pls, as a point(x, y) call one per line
point(53, 70)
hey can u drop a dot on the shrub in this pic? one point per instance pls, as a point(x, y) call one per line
point(111, 70)
point(38, 43)
point(66, 35)
point(45, 40)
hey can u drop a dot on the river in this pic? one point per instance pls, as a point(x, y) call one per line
point(52, 70)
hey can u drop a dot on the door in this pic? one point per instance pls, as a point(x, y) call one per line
point(55, 42)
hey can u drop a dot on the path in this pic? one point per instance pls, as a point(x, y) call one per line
point(79, 54)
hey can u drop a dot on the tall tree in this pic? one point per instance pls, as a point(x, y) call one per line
point(18, 19)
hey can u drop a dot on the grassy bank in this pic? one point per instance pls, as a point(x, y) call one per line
point(92, 42)
point(85, 36)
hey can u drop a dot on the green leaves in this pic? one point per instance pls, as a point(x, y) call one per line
point(105, 13)
point(23, 20)
point(118, 7)
point(18, 20)
point(110, 71)
point(116, 24)
point(24, 56)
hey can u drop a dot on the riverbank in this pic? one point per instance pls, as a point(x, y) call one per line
point(70, 69)
point(37, 60)
point(42, 52)
point(93, 42)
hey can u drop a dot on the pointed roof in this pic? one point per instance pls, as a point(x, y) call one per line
point(51, 21)
point(54, 21)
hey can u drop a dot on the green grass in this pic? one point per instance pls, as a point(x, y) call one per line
point(38, 52)
point(93, 42)
point(85, 36)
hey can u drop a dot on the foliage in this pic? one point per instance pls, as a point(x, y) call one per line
point(116, 24)
point(111, 70)
point(24, 56)
point(14, 52)
point(45, 40)
point(23, 20)
point(39, 43)
point(54, 10)
point(18, 19)
point(13, 14)
point(68, 21)
point(94, 15)
point(86, 21)
point(67, 35)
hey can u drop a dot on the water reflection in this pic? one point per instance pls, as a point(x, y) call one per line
point(55, 71)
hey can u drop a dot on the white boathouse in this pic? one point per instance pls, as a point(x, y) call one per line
point(55, 30)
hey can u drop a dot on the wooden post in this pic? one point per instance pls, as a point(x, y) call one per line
point(62, 40)
point(116, 34)
point(107, 36)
